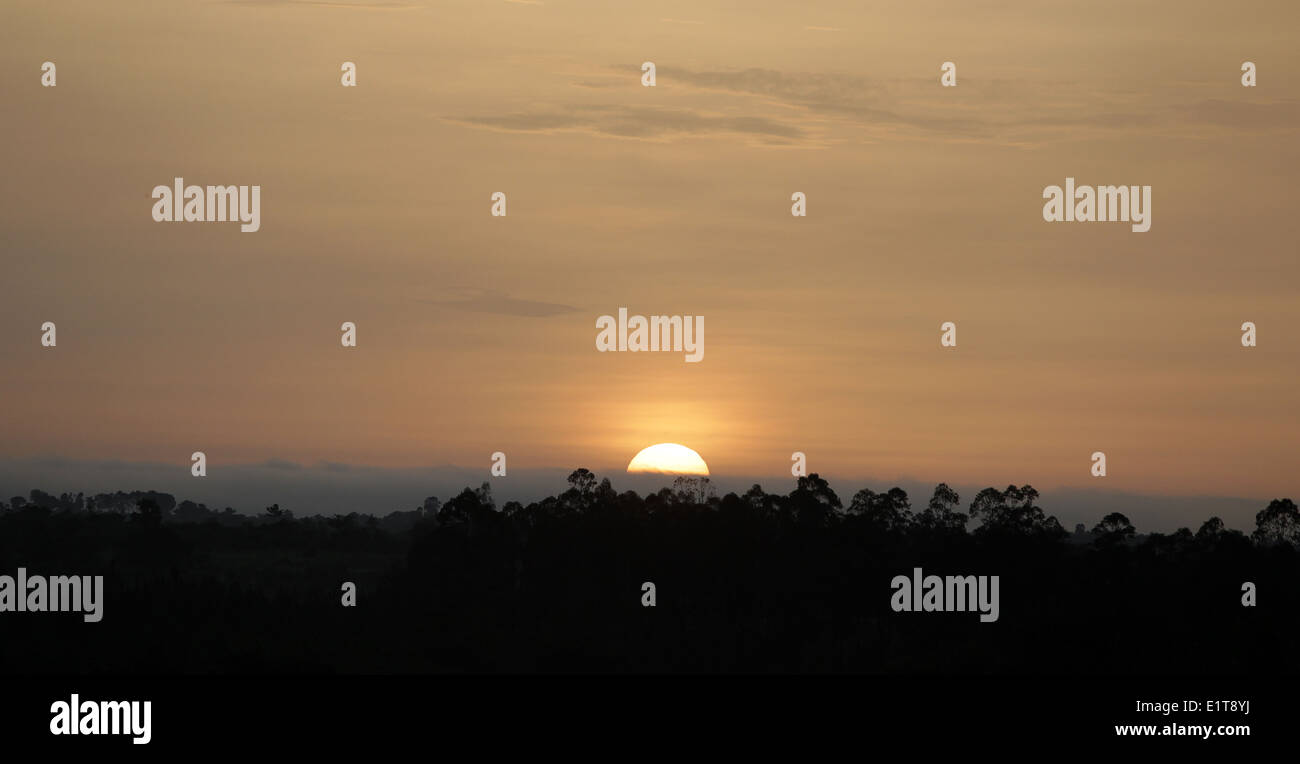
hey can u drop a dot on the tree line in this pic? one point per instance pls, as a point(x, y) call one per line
point(746, 582)
point(1008, 513)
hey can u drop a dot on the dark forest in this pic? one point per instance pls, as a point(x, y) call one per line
point(751, 583)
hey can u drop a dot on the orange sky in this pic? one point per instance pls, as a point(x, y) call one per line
point(476, 333)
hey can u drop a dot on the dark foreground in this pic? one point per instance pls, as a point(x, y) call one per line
point(760, 583)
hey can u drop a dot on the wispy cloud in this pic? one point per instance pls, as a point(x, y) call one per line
point(381, 5)
point(1005, 111)
point(1237, 114)
point(481, 301)
point(632, 121)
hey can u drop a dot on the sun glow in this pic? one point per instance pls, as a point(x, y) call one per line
point(668, 459)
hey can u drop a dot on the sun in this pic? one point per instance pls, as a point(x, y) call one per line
point(668, 459)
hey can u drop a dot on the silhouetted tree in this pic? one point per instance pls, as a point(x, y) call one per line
point(1210, 529)
point(1013, 513)
point(758, 500)
point(1113, 530)
point(605, 493)
point(1278, 523)
point(812, 503)
point(582, 481)
point(581, 494)
point(941, 514)
point(275, 514)
point(888, 512)
point(692, 490)
point(471, 508)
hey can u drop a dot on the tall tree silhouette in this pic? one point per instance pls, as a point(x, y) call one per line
point(692, 489)
point(1013, 513)
point(888, 512)
point(813, 503)
point(940, 514)
point(1113, 530)
point(1278, 523)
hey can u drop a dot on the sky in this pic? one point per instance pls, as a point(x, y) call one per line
point(476, 333)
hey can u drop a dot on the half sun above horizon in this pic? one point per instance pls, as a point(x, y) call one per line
point(668, 459)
